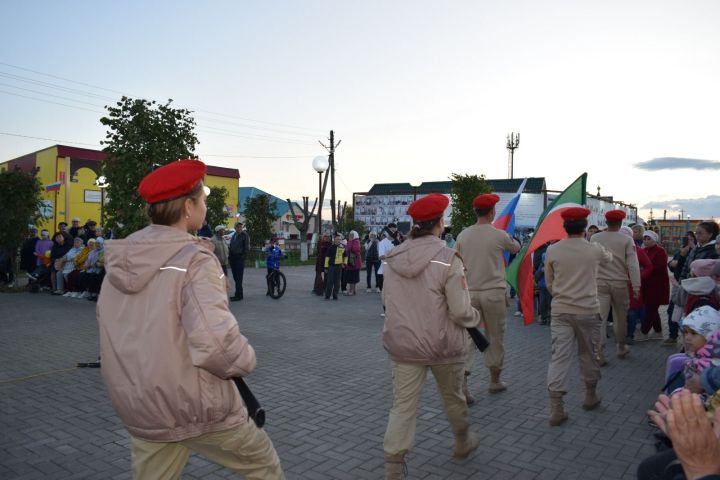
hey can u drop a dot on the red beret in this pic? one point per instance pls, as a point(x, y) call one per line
point(429, 207)
point(574, 213)
point(615, 215)
point(172, 180)
point(486, 200)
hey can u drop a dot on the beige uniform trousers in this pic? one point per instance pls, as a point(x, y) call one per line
point(408, 380)
point(567, 331)
point(245, 449)
point(617, 296)
point(492, 307)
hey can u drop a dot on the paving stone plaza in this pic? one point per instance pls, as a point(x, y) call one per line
point(324, 380)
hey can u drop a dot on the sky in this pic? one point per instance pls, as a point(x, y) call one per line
point(415, 90)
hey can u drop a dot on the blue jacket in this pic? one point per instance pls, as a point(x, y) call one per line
point(274, 255)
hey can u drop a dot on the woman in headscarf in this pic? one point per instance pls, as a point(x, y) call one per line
point(656, 287)
point(352, 269)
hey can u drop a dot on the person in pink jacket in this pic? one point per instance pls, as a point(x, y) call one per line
point(427, 311)
point(352, 268)
point(170, 346)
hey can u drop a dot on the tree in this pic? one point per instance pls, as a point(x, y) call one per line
point(216, 214)
point(302, 226)
point(464, 189)
point(20, 197)
point(141, 134)
point(348, 222)
point(259, 217)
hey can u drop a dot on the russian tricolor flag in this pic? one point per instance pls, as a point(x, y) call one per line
point(506, 219)
point(53, 187)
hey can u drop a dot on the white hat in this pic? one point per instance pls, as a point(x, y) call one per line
point(219, 227)
point(653, 236)
point(76, 219)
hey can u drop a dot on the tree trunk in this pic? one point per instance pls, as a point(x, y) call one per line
point(303, 250)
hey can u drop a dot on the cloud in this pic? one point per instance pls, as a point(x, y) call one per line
point(695, 207)
point(674, 163)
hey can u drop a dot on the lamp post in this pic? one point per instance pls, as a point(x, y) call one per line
point(320, 165)
point(102, 183)
point(415, 183)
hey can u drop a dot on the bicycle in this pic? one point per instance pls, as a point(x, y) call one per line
point(276, 284)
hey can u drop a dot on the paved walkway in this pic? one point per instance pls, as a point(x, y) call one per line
point(324, 379)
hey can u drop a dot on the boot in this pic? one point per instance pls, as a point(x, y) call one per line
point(466, 391)
point(557, 411)
point(496, 386)
point(622, 350)
point(395, 467)
point(592, 399)
point(465, 443)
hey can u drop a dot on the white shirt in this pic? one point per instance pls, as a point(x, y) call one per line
point(384, 247)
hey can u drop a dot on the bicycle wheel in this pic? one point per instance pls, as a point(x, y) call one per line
point(277, 284)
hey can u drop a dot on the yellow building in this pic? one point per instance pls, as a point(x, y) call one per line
point(68, 176)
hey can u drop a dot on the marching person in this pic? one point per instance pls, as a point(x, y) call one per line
point(170, 345)
point(575, 311)
point(612, 282)
point(427, 310)
point(481, 247)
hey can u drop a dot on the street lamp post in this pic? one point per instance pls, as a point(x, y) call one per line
point(102, 183)
point(320, 164)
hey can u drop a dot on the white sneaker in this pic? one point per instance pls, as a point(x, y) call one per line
point(518, 314)
point(83, 295)
point(368, 290)
point(382, 315)
point(68, 294)
point(377, 290)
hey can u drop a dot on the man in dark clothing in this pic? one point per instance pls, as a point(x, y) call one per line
point(28, 260)
point(75, 229)
point(396, 237)
point(205, 231)
point(239, 246)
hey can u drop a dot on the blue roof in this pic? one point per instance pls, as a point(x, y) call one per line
point(281, 206)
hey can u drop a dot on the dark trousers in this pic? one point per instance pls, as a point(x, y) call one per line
point(370, 266)
point(343, 280)
point(237, 265)
point(380, 279)
point(651, 319)
point(332, 280)
point(635, 316)
point(544, 301)
point(673, 327)
point(319, 285)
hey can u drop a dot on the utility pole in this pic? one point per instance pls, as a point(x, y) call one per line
point(331, 161)
point(513, 142)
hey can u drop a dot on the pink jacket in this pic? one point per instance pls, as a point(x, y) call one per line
point(353, 246)
point(427, 303)
point(168, 341)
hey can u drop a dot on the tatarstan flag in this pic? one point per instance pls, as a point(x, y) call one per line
point(519, 273)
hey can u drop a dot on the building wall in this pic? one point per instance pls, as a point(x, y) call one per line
point(46, 161)
point(231, 201)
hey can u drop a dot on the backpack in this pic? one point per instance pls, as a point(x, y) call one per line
point(372, 255)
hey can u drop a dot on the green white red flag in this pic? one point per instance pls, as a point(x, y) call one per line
point(549, 227)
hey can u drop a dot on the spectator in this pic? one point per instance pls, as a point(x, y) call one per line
point(205, 231)
point(67, 264)
point(372, 260)
point(89, 230)
point(75, 228)
point(94, 273)
point(42, 255)
point(28, 260)
point(73, 278)
point(222, 251)
point(449, 240)
point(544, 297)
point(655, 288)
point(62, 243)
point(636, 309)
point(335, 259)
point(239, 247)
point(322, 246)
point(384, 247)
point(638, 233)
point(706, 234)
point(394, 234)
point(354, 263)
point(592, 230)
point(62, 227)
point(274, 254)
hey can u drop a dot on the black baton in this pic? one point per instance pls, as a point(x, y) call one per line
point(481, 342)
point(256, 412)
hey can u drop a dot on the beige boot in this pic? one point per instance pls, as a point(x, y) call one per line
point(557, 411)
point(592, 399)
point(465, 443)
point(496, 386)
point(466, 391)
point(395, 467)
point(622, 350)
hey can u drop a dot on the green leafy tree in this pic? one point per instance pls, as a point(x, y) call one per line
point(20, 197)
point(216, 214)
point(259, 217)
point(349, 223)
point(141, 133)
point(464, 189)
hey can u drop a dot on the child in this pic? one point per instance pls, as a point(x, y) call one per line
point(698, 327)
point(273, 260)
